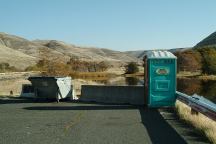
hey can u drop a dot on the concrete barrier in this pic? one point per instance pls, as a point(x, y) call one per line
point(113, 94)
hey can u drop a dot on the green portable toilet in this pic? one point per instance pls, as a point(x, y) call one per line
point(160, 79)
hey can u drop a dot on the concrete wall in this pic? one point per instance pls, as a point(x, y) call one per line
point(113, 94)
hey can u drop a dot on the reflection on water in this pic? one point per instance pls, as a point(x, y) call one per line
point(132, 80)
point(121, 80)
point(206, 88)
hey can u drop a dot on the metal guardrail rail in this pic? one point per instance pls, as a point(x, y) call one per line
point(198, 104)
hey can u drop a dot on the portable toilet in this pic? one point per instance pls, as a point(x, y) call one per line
point(52, 87)
point(160, 78)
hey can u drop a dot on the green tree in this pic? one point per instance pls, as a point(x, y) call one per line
point(189, 60)
point(131, 68)
point(208, 60)
point(49, 65)
point(77, 65)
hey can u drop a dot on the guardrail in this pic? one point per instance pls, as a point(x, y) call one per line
point(198, 104)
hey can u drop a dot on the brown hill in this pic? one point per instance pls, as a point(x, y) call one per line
point(86, 53)
point(15, 58)
point(21, 52)
point(208, 41)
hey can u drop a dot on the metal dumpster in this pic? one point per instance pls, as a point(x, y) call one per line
point(160, 78)
point(52, 87)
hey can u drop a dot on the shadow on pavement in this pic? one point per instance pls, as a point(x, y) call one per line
point(17, 100)
point(161, 132)
point(158, 129)
point(90, 107)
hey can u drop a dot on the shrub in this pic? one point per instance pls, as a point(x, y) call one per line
point(208, 60)
point(56, 67)
point(5, 67)
point(131, 68)
point(189, 60)
point(77, 65)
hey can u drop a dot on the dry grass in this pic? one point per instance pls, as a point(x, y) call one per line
point(200, 122)
point(207, 77)
point(116, 70)
point(91, 75)
point(187, 74)
point(13, 81)
point(14, 85)
point(77, 83)
point(16, 58)
point(197, 75)
point(135, 74)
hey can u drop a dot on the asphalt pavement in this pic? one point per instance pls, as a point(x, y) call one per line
point(41, 122)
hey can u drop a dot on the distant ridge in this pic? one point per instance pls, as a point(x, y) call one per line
point(208, 41)
point(21, 53)
point(141, 53)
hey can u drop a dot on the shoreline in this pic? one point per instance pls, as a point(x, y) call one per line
point(195, 75)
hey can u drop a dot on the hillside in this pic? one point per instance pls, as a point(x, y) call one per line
point(21, 53)
point(15, 58)
point(25, 46)
point(141, 53)
point(208, 41)
point(84, 53)
point(138, 54)
point(200, 58)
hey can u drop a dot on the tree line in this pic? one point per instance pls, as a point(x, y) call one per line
point(202, 59)
point(55, 67)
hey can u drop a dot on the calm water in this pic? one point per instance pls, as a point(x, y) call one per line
point(206, 88)
point(123, 81)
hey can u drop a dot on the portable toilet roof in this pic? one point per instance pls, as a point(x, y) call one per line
point(160, 55)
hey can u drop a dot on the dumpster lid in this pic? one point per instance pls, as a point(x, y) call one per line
point(160, 54)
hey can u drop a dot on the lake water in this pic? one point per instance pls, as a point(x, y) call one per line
point(206, 88)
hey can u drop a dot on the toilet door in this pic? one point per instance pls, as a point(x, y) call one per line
point(162, 81)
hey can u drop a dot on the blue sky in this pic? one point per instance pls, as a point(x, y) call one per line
point(116, 24)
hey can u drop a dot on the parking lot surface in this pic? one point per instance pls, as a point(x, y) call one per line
point(29, 122)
